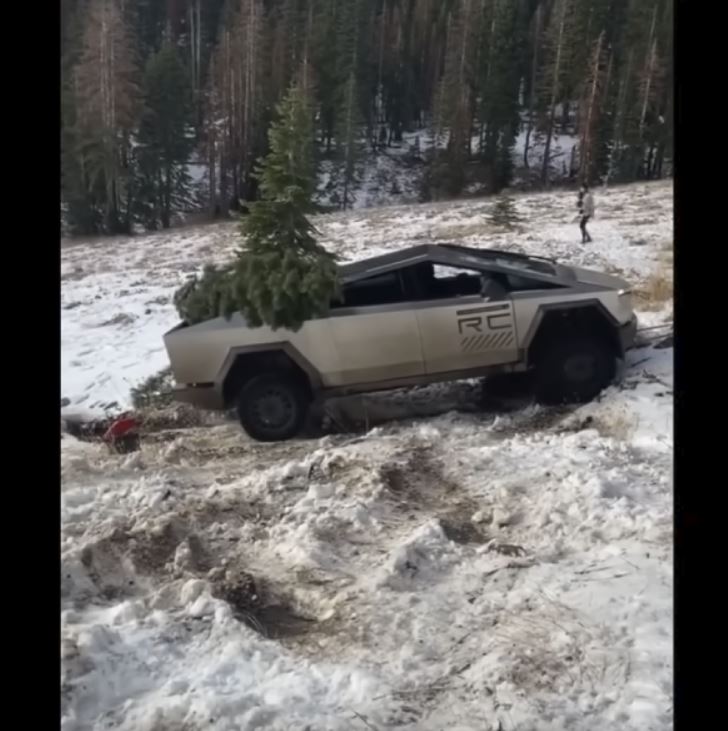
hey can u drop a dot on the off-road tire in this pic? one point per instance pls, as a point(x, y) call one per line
point(574, 370)
point(272, 407)
point(508, 385)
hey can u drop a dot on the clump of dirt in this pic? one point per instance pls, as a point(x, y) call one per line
point(239, 590)
point(151, 550)
point(105, 566)
point(161, 300)
point(123, 318)
point(413, 474)
point(121, 563)
point(394, 479)
point(460, 529)
point(254, 604)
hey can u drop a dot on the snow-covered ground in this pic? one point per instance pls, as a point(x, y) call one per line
point(470, 570)
point(394, 174)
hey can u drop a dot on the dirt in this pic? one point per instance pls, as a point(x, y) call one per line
point(458, 527)
point(123, 318)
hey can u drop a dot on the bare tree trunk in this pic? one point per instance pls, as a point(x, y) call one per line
point(591, 113)
point(565, 109)
point(619, 116)
point(211, 176)
point(651, 160)
point(556, 78)
point(349, 135)
point(195, 32)
point(650, 65)
point(486, 86)
point(534, 77)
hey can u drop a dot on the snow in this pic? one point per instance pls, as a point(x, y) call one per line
point(393, 174)
point(451, 569)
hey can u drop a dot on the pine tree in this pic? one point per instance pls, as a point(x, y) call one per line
point(106, 96)
point(350, 149)
point(500, 87)
point(377, 69)
point(165, 141)
point(324, 55)
point(281, 276)
point(505, 213)
point(644, 95)
point(349, 122)
point(82, 200)
point(454, 110)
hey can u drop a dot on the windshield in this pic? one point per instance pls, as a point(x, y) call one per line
point(529, 265)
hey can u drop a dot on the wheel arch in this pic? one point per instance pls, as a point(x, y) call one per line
point(589, 317)
point(243, 362)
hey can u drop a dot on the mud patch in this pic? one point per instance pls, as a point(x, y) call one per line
point(254, 604)
point(416, 478)
point(460, 529)
point(123, 318)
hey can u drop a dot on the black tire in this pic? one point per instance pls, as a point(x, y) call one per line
point(272, 407)
point(574, 370)
point(508, 385)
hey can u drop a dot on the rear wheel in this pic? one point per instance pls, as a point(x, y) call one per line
point(574, 370)
point(272, 407)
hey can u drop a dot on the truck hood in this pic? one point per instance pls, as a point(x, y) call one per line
point(213, 325)
point(598, 279)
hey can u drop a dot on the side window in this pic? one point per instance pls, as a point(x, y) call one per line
point(516, 283)
point(383, 289)
point(432, 282)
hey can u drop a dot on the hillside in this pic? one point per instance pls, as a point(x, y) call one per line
point(441, 567)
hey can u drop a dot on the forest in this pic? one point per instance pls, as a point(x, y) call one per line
point(167, 105)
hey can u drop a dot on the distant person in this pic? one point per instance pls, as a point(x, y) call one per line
point(586, 211)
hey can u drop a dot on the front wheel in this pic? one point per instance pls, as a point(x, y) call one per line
point(272, 407)
point(574, 370)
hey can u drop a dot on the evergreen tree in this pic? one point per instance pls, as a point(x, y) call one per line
point(454, 108)
point(324, 55)
point(164, 138)
point(281, 277)
point(350, 149)
point(376, 70)
point(505, 213)
point(82, 200)
point(106, 95)
point(349, 121)
point(500, 88)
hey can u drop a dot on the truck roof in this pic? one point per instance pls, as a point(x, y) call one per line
point(457, 256)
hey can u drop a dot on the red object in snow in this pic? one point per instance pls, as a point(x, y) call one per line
point(122, 427)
